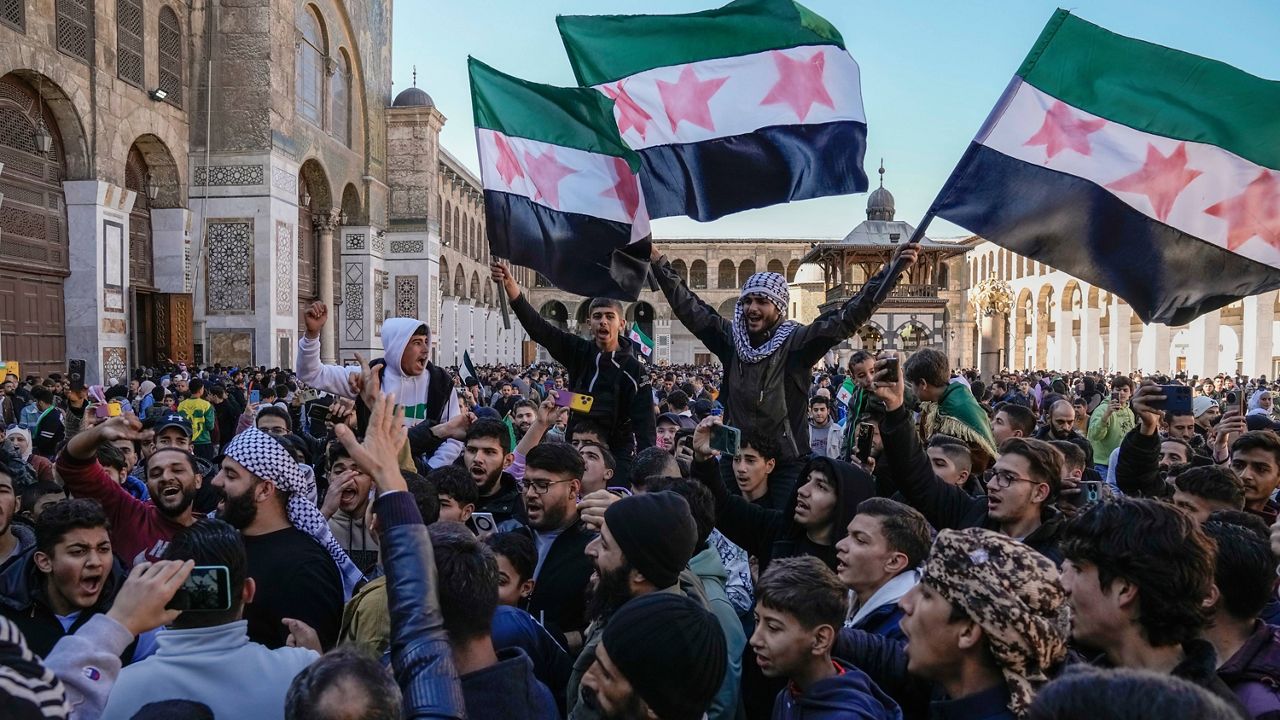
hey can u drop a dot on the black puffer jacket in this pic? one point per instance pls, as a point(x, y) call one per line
point(771, 396)
point(23, 600)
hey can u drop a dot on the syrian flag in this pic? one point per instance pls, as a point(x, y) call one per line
point(1146, 171)
point(752, 104)
point(560, 191)
point(845, 393)
point(467, 369)
point(642, 341)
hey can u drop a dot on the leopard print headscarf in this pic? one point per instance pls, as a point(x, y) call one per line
point(1014, 594)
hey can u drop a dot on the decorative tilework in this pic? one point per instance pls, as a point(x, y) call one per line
point(188, 277)
point(229, 289)
point(284, 268)
point(379, 243)
point(407, 296)
point(354, 241)
point(114, 364)
point(406, 246)
point(379, 295)
point(353, 301)
point(284, 180)
point(228, 175)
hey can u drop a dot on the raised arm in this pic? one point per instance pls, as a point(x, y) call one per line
point(330, 378)
point(562, 346)
point(700, 318)
point(835, 326)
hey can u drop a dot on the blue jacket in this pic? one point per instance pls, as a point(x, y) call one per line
point(516, 629)
point(848, 695)
point(508, 691)
point(885, 620)
point(420, 655)
point(992, 704)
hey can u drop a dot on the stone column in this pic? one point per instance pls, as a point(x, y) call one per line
point(324, 224)
point(1257, 348)
point(991, 356)
point(1204, 346)
point(1153, 349)
point(1065, 324)
point(1119, 341)
point(97, 291)
point(1090, 338)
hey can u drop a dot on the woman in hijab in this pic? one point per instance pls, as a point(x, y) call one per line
point(20, 439)
point(1261, 403)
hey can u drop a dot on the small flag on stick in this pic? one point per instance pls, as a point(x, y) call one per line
point(642, 341)
point(467, 369)
point(845, 393)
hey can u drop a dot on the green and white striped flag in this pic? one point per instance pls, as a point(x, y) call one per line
point(641, 340)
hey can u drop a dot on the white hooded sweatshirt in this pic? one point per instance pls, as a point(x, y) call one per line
point(411, 392)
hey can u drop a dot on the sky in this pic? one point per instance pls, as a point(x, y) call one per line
point(931, 71)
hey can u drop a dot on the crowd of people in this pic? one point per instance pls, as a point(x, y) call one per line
point(770, 536)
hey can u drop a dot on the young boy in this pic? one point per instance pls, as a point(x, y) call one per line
point(516, 557)
point(457, 492)
point(799, 610)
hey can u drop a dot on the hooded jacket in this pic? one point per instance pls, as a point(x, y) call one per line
point(1253, 673)
point(622, 401)
point(422, 396)
point(770, 534)
point(23, 600)
point(507, 690)
point(847, 695)
point(770, 396)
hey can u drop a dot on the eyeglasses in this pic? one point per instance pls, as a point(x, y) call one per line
point(542, 487)
point(1002, 479)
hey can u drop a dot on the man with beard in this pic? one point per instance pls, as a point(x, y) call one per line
point(487, 455)
point(1061, 426)
point(140, 530)
point(644, 543)
point(606, 367)
point(294, 560)
point(522, 415)
point(552, 484)
point(660, 657)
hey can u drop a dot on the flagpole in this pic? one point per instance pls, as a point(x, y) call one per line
point(896, 268)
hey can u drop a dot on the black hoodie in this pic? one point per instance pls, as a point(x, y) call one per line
point(770, 534)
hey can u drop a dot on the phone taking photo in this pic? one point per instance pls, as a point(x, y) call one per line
point(726, 438)
point(255, 396)
point(484, 523)
point(206, 589)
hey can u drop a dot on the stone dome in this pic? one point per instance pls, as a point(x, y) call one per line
point(413, 97)
point(880, 201)
point(809, 273)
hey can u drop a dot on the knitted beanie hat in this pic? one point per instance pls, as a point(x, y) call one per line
point(656, 533)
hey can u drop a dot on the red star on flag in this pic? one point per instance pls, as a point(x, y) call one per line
point(630, 115)
point(799, 84)
point(1063, 131)
point(687, 99)
point(546, 172)
point(625, 187)
point(1160, 178)
point(1253, 213)
point(508, 166)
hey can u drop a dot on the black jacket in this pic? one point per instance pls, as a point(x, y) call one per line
point(770, 396)
point(506, 504)
point(946, 506)
point(770, 534)
point(1138, 466)
point(48, 433)
point(617, 382)
point(559, 598)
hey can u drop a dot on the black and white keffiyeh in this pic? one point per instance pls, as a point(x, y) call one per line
point(27, 688)
point(773, 286)
point(262, 455)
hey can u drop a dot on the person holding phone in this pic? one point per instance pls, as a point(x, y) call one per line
point(1110, 422)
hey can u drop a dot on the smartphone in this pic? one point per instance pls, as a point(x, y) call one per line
point(574, 401)
point(207, 589)
point(318, 410)
point(484, 522)
point(1090, 491)
point(75, 374)
point(726, 438)
point(255, 396)
point(1115, 396)
point(863, 438)
point(113, 409)
point(1177, 399)
point(891, 367)
point(101, 411)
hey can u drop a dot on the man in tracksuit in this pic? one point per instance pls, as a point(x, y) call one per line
point(604, 367)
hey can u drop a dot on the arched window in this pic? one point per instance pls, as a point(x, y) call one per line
point(340, 97)
point(475, 286)
point(746, 270)
point(129, 46)
point(75, 28)
point(447, 231)
point(698, 275)
point(444, 280)
point(678, 267)
point(725, 278)
point(459, 231)
point(309, 82)
point(169, 42)
point(460, 283)
point(136, 178)
point(792, 268)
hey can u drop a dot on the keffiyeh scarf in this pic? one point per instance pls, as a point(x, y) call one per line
point(773, 286)
point(27, 688)
point(262, 455)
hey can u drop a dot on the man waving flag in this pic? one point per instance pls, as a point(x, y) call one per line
point(560, 191)
point(1146, 171)
point(752, 104)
